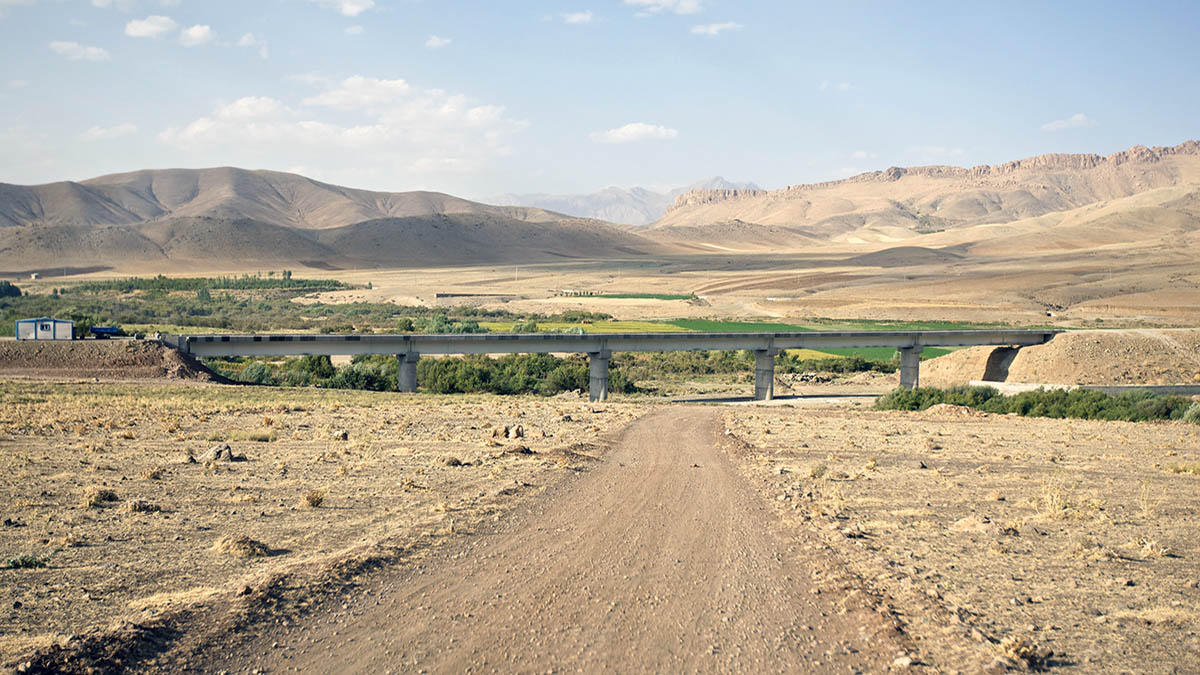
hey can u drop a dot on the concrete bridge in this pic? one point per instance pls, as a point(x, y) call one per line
point(599, 347)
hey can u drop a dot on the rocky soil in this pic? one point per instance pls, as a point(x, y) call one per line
point(104, 359)
point(1001, 542)
point(124, 504)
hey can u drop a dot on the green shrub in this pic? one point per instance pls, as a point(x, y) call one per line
point(9, 290)
point(1136, 406)
point(1193, 413)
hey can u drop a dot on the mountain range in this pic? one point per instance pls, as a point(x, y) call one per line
point(233, 217)
point(629, 206)
point(898, 203)
point(229, 218)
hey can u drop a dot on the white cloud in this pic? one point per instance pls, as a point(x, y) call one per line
point(863, 154)
point(577, 17)
point(18, 84)
point(5, 4)
point(108, 133)
point(354, 30)
point(252, 40)
point(123, 5)
point(358, 92)
point(435, 42)
point(347, 7)
point(836, 86)
point(150, 27)
point(197, 35)
point(669, 6)
point(714, 29)
point(77, 52)
point(376, 125)
point(1076, 121)
point(635, 131)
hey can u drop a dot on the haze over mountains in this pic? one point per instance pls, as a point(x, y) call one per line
point(628, 206)
point(228, 218)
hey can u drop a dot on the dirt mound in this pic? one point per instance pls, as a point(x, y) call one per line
point(108, 359)
point(1081, 357)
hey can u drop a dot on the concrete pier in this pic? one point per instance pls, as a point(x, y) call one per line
point(910, 366)
point(407, 382)
point(764, 374)
point(598, 375)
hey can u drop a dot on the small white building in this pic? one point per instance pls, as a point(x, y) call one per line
point(45, 329)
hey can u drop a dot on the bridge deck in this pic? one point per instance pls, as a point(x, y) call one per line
point(409, 347)
point(517, 343)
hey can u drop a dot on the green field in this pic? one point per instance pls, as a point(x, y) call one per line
point(713, 326)
point(645, 296)
point(594, 327)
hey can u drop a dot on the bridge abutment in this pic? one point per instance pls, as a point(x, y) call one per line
point(764, 374)
point(407, 381)
point(910, 366)
point(598, 375)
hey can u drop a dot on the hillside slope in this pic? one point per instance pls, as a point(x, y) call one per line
point(265, 196)
point(229, 218)
point(900, 203)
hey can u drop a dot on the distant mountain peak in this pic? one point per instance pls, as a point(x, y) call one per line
point(628, 206)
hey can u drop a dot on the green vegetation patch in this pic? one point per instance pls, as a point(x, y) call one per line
point(646, 296)
point(542, 374)
point(717, 326)
point(1090, 404)
point(247, 282)
point(680, 365)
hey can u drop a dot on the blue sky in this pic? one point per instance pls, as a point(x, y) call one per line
point(478, 98)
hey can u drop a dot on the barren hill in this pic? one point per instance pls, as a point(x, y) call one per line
point(228, 217)
point(900, 203)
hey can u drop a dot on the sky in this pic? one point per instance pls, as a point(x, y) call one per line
point(483, 97)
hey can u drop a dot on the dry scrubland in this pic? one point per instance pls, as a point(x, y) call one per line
point(105, 517)
point(997, 537)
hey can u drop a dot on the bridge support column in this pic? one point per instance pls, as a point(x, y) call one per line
point(764, 374)
point(598, 375)
point(407, 383)
point(910, 366)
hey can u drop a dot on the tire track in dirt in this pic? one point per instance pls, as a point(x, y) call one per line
point(661, 558)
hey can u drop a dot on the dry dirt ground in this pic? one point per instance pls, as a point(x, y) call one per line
point(1125, 357)
point(994, 535)
point(661, 558)
point(330, 479)
point(103, 359)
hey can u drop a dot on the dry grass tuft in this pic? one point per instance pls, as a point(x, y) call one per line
point(97, 496)
point(139, 506)
point(1055, 499)
point(1193, 468)
point(1023, 650)
point(451, 460)
point(1086, 548)
point(241, 547)
point(153, 474)
point(313, 498)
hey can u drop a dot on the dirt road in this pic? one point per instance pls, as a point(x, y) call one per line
point(660, 558)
